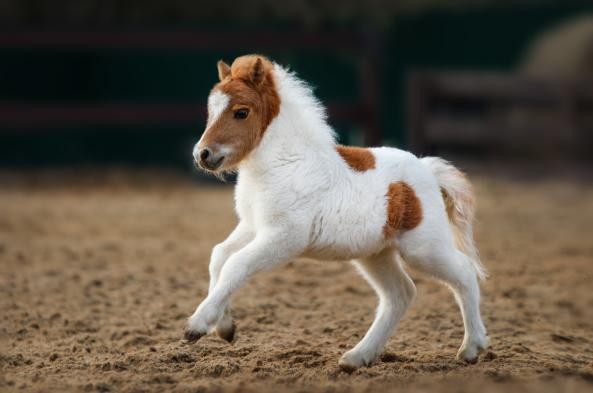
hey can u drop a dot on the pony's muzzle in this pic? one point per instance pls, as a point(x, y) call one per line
point(208, 159)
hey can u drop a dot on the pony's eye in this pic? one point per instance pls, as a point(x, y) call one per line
point(241, 113)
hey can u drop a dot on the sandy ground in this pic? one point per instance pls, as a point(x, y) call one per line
point(98, 272)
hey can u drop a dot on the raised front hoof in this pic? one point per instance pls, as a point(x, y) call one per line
point(190, 336)
point(351, 361)
point(227, 333)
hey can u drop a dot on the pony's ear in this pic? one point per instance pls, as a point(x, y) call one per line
point(224, 70)
point(257, 71)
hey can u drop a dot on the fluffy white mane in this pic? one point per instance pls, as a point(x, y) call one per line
point(300, 107)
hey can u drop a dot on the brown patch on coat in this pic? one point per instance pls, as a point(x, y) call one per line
point(404, 210)
point(249, 83)
point(359, 159)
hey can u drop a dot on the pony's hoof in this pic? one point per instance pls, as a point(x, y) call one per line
point(470, 353)
point(347, 368)
point(352, 361)
point(191, 336)
point(227, 333)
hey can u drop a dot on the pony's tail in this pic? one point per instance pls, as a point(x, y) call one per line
point(460, 204)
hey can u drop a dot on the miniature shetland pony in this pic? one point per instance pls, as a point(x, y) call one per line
point(298, 193)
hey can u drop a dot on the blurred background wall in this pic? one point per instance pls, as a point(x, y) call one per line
point(125, 81)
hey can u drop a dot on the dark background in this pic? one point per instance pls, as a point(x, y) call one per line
point(125, 82)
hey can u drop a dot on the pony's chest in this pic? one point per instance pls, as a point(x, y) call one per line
point(245, 201)
point(254, 204)
point(273, 199)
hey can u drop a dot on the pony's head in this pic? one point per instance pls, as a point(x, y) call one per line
point(240, 109)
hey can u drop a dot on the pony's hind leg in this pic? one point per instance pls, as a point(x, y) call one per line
point(395, 290)
point(455, 269)
point(467, 294)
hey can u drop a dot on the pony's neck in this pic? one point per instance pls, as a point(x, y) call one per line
point(299, 132)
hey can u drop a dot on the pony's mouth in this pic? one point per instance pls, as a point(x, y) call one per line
point(211, 166)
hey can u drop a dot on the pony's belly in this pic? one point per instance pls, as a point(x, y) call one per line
point(344, 249)
point(329, 254)
point(339, 254)
point(349, 233)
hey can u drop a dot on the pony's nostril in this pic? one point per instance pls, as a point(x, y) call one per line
point(209, 160)
point(204, 154)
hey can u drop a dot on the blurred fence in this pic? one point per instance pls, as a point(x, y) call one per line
point(497, 112)
point(136, 94)
point(132, 94)
point(33, 116)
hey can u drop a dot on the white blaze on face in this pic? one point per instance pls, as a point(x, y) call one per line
point(217, 103)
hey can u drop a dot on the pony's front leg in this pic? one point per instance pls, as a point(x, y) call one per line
point(262, 253)
point(240, 236)
point(238, 239)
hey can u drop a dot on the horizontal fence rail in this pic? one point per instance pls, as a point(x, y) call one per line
point(499, 111)
point(31, 117)
point(27, 115)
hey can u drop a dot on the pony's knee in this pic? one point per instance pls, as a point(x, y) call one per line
point(220, 254)
point(409, 290)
